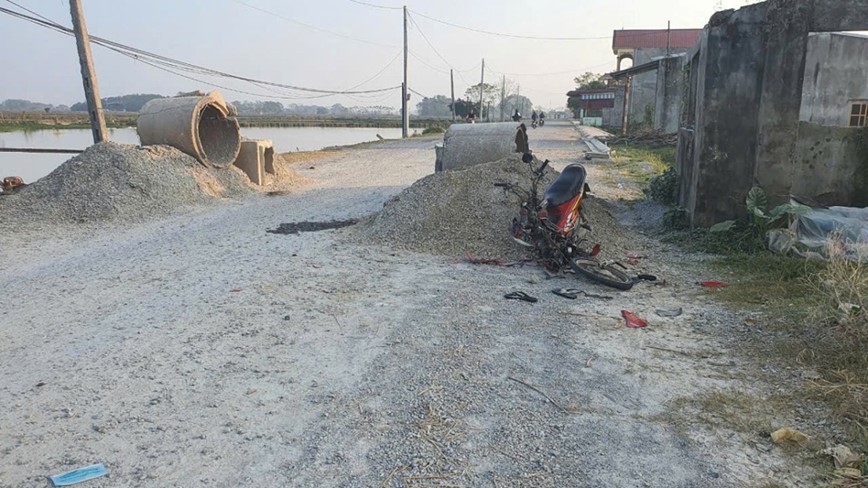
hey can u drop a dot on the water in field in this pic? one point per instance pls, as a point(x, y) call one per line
point(286, 139)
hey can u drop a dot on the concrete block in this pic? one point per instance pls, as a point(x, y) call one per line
point(255, 158)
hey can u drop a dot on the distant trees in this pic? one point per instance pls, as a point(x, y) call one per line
point(123, 103)
point(589, 81)
point(19, 105)
point(135, 102)
point(438, 106)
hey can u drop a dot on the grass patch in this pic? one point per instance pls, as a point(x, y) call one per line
point(817, 311)
point(734, 410)
point(641, 163)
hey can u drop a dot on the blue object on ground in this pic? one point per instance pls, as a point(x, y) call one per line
point(78, 475)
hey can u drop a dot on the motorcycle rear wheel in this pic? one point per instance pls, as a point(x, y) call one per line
point(607, 274)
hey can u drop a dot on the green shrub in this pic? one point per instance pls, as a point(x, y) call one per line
point(433, 130)
point(663, 188)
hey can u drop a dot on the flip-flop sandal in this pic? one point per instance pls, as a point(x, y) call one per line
point(520, 295)
point(591, 295)
point(570, 293)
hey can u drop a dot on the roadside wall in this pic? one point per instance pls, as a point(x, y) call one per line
point(748, 96)
point(670, 92)
point(836, 73)
point(828, 166)
point(727, 95)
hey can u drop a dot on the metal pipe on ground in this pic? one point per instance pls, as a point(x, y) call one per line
point(204, 127)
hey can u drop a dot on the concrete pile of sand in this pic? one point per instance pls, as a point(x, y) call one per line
point(455, 212)
point(119, 182)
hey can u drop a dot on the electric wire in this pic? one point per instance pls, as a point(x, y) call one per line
point(384, 7)
point(431, 45)
point(312, 27)
point(171, 63)
point(502, 34)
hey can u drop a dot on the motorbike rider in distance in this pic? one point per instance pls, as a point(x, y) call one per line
point(516, 117)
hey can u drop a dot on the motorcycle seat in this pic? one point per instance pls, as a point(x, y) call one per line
point(570, 183)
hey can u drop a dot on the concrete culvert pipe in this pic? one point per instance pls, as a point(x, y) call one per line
point(470, 144)
point(202, 126)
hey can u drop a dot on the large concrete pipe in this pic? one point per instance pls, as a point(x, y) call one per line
point(469, 144)
point(204, 127)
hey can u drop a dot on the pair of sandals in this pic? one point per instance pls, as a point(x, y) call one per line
point(573, 293)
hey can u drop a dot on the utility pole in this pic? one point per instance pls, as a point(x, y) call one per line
point(405, 115)
point(452, 85)
point(88, 76)
point(502, 97)
point(481, 83)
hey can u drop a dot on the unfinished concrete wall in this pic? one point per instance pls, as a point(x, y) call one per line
point(748, 102)
point(828, 167)
point(670, 93)
point(727, 88)
point(836, 74)
point(644, 86)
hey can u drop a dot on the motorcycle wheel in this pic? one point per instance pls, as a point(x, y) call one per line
point(608, 275)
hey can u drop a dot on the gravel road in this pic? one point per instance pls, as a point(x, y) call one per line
point(199, 350)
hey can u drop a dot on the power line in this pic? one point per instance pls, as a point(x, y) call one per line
point(138, 54)
point(426, 63)
point(378, 72)
point(417, 93)
point(577, 70)
point(313, 27)
point(384, 7)
point(513, 36)
point(431, 45)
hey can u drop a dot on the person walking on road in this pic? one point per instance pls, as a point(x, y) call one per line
point(521, 144)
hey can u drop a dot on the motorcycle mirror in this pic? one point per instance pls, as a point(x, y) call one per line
point(527, 158)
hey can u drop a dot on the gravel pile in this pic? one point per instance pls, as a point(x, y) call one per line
point(111, 181)
point(455, 212)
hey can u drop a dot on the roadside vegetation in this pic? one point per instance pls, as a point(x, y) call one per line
point(812, 313)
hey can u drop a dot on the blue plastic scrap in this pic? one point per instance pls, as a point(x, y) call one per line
point(78, 475)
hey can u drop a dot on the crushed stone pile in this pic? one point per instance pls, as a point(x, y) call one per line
point(110, 181)
point(455, 212)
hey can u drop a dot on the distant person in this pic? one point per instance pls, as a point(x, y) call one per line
point(521, 144)
point(516, 117)
point(471, 117)
point(542, 117)
point(534, 116)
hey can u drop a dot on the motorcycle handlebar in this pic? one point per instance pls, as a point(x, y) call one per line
point(545, 163)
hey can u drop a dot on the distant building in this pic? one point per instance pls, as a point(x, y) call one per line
point(603, 107)
point(646, 46)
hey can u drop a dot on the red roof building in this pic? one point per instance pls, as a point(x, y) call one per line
point(628, 44)
point(650, 38)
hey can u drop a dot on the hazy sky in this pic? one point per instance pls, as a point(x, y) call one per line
point(42, 65)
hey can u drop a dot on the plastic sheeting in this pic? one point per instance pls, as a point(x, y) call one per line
point(809, 235)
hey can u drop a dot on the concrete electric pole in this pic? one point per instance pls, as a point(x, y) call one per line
point(452, 86)
point(88, 76)
point(481, 84)
point(405, 114)
point(502, 97)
